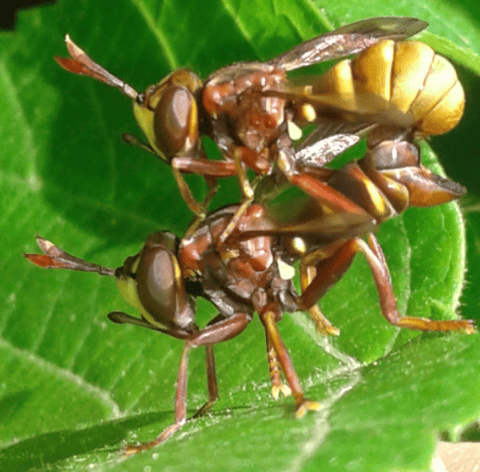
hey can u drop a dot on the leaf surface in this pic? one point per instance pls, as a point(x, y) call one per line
point(74, 388)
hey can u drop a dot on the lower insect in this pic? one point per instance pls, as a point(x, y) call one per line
point(251, 273)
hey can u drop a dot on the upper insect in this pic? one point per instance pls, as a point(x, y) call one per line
point(253, 111)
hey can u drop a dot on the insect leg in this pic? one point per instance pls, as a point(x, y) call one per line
point(211, 382)
point(222, 330)
point(182, 185)
point(180, 407)
point(205, 167)
point(278, 387)
point(211, 374)
point(376, 260)
point(247, 192)
point(323, 325)
point(328, 272)
point(268, 318)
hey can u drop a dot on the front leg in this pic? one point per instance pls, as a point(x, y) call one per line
point(244, 157)
point(207, 168)
point(220, 331)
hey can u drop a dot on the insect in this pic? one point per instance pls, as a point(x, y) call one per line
point(252, 271)
point(252, 110)
point(240, 257)
point(163, 279)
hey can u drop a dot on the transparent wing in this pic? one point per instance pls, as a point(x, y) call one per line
point(347, 40)
point(295, 214)
point(329, 140)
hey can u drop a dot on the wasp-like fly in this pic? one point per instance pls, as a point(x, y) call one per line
point(253, 110)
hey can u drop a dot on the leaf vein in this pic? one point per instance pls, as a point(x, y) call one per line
point(157, 32)
point(64, 374)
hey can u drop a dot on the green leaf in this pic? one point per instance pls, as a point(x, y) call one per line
point(74, 388)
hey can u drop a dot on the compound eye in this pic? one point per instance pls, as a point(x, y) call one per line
point(176, 121)
point(157, 284)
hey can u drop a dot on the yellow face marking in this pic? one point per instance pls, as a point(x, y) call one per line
point(193, 126)
point(135, 265)
point(128, 289)
point(144, 118)
point(178, 272)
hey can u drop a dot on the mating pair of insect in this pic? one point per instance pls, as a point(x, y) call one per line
point(240, 257)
